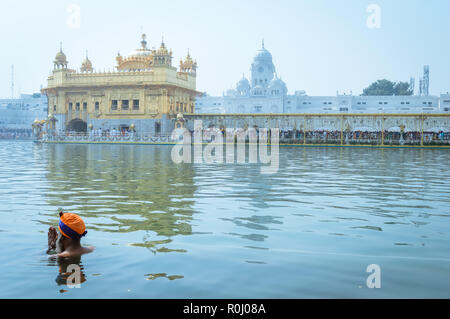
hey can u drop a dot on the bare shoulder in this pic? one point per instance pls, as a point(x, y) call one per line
point(64, 254)
point(88, 249)
point(78, 252)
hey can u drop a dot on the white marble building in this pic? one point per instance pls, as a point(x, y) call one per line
point(267, 93)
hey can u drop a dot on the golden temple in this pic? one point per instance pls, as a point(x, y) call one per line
point(145, 92)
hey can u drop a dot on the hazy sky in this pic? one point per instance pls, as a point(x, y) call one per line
point(319, 46)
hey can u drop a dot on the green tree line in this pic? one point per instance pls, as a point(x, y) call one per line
point(385, 87)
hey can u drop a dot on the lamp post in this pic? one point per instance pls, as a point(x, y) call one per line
point(348, 130)
point(91, 127)
point(402, 130)
point(51, 120)
point(132, 127)
point(35, 127)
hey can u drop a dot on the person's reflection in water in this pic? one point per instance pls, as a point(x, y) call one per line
point(70, 271)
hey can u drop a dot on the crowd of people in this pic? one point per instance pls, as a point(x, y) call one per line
point(16, 134)
point(358, 137)
point(100, 132)
point(324, 136)
point(294, 136)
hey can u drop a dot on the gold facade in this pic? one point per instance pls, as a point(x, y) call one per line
point(144, 86)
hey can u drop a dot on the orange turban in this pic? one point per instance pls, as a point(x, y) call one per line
point(71, 225)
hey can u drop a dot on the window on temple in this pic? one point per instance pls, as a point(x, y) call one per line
point(125, 104)
point(97, 106)
point(77, 106)
point(70, 106)
point(54, 108)
point(85, 106)
point(114, 105)
point(135, 104)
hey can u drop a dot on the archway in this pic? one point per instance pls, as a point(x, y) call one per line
point(77, 125)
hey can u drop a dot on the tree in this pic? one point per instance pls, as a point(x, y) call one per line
point(386, 88)
point(402, 88)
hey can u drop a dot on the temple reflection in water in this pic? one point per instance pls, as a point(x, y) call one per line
point(123, 189)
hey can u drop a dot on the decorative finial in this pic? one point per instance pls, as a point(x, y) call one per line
point(60, 46)
point(263, 43)
point(86, 54)
point(143, 42)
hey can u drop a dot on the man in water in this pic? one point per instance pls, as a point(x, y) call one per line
point(67, 242)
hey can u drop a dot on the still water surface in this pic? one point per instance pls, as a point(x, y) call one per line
point(163, 230)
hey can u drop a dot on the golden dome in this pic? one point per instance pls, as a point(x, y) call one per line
point(86, 66)
point(139, 59)
point(162, 49)
point(60, 58)
point(162, 56)
point(188, 65)
point(143, 51)
point(87, 63)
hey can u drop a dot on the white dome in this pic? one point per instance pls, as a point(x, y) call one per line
point(243, 86)
point(263, 54)
point(277, 83)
